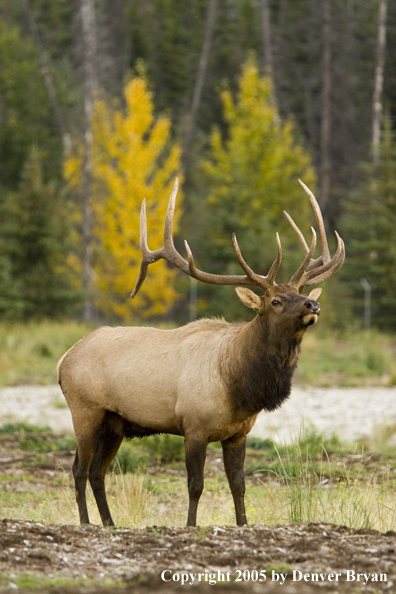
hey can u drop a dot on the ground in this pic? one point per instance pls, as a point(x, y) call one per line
point(138, 557)
point(64, 559)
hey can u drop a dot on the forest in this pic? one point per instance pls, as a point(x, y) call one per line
point(106, 102)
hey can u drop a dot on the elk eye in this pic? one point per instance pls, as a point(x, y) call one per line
point(275, 302)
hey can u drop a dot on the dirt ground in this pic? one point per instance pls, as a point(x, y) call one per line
point(293, 558)
point(227, 554)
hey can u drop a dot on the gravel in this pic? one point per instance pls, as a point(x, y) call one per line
point(351, 413)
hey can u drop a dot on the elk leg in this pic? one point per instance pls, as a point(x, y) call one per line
point(234, 450)
point(80, 486)
point(195, 462)
point(81, 465)
point(87, 438)
point(106, 449)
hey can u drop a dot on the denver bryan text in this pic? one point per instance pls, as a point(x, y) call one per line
point(350, 576)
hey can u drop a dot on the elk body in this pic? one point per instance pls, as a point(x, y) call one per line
point(206, 381)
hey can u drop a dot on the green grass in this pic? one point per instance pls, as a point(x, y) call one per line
point(310, 479)
point(30, 581)
point(38, 439)
point(162, 449)
point(354, 359)
point(29, 352)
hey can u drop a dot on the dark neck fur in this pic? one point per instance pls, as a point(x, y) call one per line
point(262, 370)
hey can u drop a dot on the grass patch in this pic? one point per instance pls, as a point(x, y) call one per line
point(312, 484)
point(35, 582)
point(156, 449)
point(38, 439)
point(351, 360)
point(308, 480)
point(22, 428)
point(29, 352)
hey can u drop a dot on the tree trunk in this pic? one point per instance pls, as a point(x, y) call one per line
point(201, 76)
point(325, 132)
point(266, 29)
point(379, 80)
point(88, 45)
point(44, 65)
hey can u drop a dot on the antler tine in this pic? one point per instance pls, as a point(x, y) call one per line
point(168, 251)
point(313, 263)
point(259, 281)
point(170, 213)
point(276, 263)
point(319, 219)
point(297, 230)
point(320, 269)
point(295, 280)
point(144, 248)
point(327, 270)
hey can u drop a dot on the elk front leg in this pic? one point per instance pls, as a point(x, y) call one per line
point(234, 450)
point(195, 462)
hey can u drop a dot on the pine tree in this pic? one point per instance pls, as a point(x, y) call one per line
point(34, 277)
point(369, 226)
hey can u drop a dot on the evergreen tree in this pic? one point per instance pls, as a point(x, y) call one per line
point(26, 115)
point(369, 227)
point(34, 278)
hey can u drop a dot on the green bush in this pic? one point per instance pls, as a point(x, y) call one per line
point(129, 459)
point(165, 448)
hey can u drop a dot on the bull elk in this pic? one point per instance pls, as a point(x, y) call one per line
point(207, 380)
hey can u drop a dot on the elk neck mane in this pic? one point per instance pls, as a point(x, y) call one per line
point(257, 366)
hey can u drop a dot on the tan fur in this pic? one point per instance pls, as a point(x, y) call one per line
point(181, 384)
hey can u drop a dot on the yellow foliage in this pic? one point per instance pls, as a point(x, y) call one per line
point(133, 158)
point(261, 158)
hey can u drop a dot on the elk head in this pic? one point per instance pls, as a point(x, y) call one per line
point(279, 302)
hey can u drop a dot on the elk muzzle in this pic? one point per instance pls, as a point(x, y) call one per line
point(312, 312)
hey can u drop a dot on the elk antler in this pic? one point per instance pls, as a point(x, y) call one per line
point(321, 268)
point(310, 271)
point(169, 253)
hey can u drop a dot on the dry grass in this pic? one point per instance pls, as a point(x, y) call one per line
point(354, 504)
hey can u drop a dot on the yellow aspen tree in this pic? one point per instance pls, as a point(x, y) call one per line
point(133, 159)
point(261, 156)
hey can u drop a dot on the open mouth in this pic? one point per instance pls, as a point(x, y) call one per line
point(309, 319)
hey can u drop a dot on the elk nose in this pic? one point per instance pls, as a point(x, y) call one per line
point(313, 306)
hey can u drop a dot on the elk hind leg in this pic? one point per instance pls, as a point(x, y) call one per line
point(234, 450)
point(195, 462)
point(111, 436)
point(87, 440)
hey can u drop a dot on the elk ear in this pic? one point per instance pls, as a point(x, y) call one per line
point(315, 294)
point(249, 298)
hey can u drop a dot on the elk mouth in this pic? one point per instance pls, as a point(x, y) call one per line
point(309, 319)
